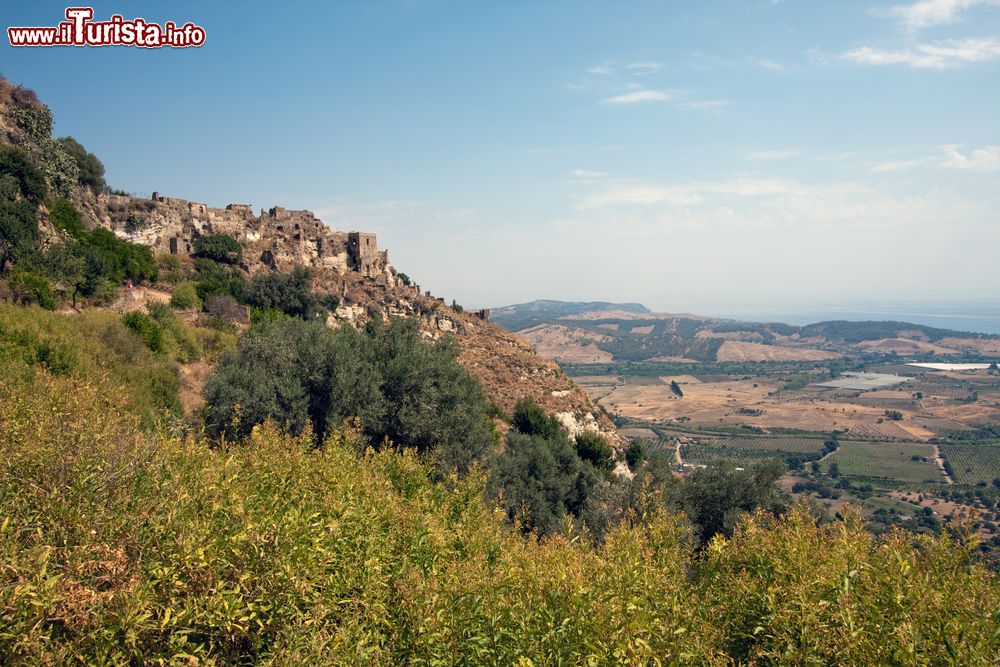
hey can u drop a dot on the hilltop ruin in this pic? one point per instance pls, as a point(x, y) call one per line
point(276, 239)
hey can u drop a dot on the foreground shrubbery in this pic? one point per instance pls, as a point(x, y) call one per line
point(136, 351)
point(120, 547)
point(302, 374)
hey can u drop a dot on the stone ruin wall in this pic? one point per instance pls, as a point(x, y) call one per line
point(277, 239)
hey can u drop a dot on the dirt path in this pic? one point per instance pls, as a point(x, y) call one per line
point(828, 454)
point(677, 454)
point(939, 460)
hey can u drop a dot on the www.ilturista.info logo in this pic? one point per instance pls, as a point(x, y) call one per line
point(80, 30)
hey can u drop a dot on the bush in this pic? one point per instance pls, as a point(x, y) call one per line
point(91, 169)
point(404, 390)
point(108, 259)
point(64, 216)
point(715, 498)
point(179, 340)
point(19, 177)
point(226, 307)
point(594, 449)
point(148, 329)
point(530, 419)
point(635, 454)
point(540, 481)
point(55, 163)
point(218, 248)
point(291, 293)
point(88, 346)
point(22, 187)
point(185, 297)
point(214, 279)
point(18, 229)
point(32, 288)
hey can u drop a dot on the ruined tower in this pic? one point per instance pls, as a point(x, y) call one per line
point(362, 249)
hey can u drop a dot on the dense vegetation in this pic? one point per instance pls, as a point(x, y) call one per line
point(219, 248)
point(139, 353)
point(89, 263)
point(119, 546)
point(301, 374)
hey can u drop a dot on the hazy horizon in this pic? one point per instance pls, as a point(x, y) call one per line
point(692, 157)
point(970, 315)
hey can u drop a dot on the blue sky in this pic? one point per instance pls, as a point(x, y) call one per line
point(694, 156)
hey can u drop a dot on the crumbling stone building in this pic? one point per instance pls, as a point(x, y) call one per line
point(278, 238)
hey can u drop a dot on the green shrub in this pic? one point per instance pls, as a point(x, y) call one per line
point(54, 162)
point(179, 340)
point(64, 216)
point(22, 187)
point(594, 449)
point(147, 328)
point(107, 261)
point(218, 248)
point(635, 454)
point(185, 297)
point(91, 171)
point(32, 288)
point(167, 262)
point(715, 498)
point(19, 176)
point(291, 293)
point(18, 229)
point(89, 346)
point(530, 419)
point(402, 389)
point(541, 481)
point(214, 279)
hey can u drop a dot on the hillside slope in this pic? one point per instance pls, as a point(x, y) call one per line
point(347, 265)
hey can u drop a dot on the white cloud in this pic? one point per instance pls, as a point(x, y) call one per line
point(761, 203)
point(600, 69)
point(585, 173)
point(936, 55)
point(687, 193)
point(983, 159)
point(927, 13)
point(645, 67)
point(898, 165)
point(763, 156)
point(986, 158)
point(705, 104)
point(638, 96)
point(769, 64)
point(641, 195)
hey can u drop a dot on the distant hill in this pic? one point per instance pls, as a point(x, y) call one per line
point(594, 332)
point(522, 315)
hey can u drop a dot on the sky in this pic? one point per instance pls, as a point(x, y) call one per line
point(693, 156)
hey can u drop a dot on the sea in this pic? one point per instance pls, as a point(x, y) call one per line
point(971, 315)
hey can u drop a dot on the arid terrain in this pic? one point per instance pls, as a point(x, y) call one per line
point(888, 416)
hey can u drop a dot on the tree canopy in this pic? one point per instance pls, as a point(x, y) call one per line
point(402, 389)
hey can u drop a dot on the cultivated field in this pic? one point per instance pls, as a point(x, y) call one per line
point(773, 401)
point(973, 462)
point(906, 462)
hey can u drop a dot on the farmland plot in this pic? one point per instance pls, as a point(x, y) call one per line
point(903, 462)
point(973, 461)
